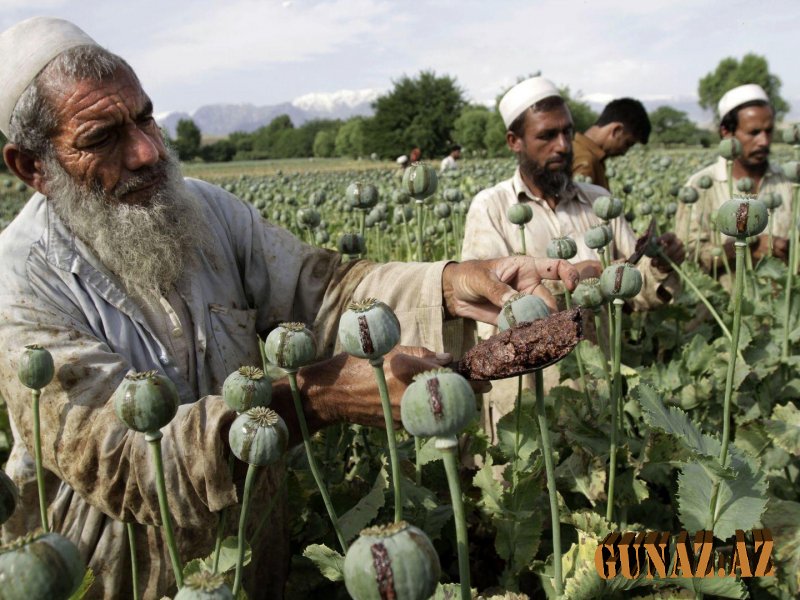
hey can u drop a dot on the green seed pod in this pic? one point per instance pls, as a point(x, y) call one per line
point(772, 200)
point(439, 403)
point(146, 401)
point(394, 561)
point(716, 251)
point(420, 181)
point(644, 208)
point(247, 388)
point(670, 209)
point(401, 198)
point(792, 171)
point(688, 195)
point(621, 281)
point(258, 437)
point(453, 195)
point(791, 135)
point(322, 237)
point(607, 207)
point(351, 244)
point(40, 566)
point(588, 294)
point(9, 497)
point(36, 367)
point(317, 198)
point(362, 196)
point(204, 586)
point(521, 308)
point(745, 184)
point(519, 213)
point(627, 188)
point(368, 329)
point(290, 346)
point(562, 247)
point(598, 236)
point(308, 217)
point(730, 148)
point(705, 182)
point(742, 217)
point(442, 210)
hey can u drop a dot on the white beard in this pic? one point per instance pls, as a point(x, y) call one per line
point(147, 247)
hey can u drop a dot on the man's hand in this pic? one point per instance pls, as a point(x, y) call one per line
point(589, 268)
point(760, 247)
point(673, 248)
point(477, 289)
point(344, 388)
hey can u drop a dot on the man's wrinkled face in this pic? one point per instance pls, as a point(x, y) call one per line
point(107, 138)
point(544, 152)
point(754, 131)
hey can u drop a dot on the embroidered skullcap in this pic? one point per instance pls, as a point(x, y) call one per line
point(26, 48)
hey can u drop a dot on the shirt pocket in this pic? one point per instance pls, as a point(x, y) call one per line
point(234, 333)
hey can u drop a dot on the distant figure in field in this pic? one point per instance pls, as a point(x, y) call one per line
point(449, 161)
point(415, 155)
point(622, 123)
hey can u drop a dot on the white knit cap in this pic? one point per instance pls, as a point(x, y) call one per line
point(740, 95)
point(524, 95)
point(26, 48)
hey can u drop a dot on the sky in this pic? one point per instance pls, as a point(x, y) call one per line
point(263, 52)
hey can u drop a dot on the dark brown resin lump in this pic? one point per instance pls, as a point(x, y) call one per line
point(525, 348)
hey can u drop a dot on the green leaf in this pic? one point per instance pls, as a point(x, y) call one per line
point(584, 474)
point(740, 501)
point(594, 360)
point(723, 587)
point(784, 428)
point(428, 453)
point(329, 562)
point(491, 490)
point(196, 565)
point(366, 510)
point(83, 588)
point(698, 355)
point(228, 555)
point(782, 518)
point(517, 541)
point(528, 435)
point(447, 591)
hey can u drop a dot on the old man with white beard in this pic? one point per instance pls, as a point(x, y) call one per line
point(117, 263)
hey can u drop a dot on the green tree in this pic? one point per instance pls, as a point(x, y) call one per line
point(583, 116)
point(325, 143)
point(673, 126)
point(219, 151)
point(469, 128)
point(731, 73)
point(419, 111)
point(350, 138)
point(188, 138)
point(495, 138)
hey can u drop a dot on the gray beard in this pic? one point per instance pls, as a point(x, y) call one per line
point(553, 184)
point(147, 247)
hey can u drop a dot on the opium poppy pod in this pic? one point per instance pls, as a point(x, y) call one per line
point(246, 388)
point(204, 586)
point(670, 209)
point(36, 367)
point(562, 247)
point(598, 236)
point(308, 217)
point(438, 403)
point(621, 281)
point(290, 346)
point(521, 308)
point(519, 214)
point(688, 195)
point(745, 184)
point(644, 208)
point(792, 171)
point(351, 244)
point(607, 207)
point(258, 437)
point(40, 566)
point(361, 195)
point(705, 182)
point(394, 561)
point(368, 329)
point(742, 217)
point(791, 135)
point(730, 148)
point(588, 294)
point(442, 210)
point(420, 181)
point(146, 401)
point(771, 200)
point(9, 497)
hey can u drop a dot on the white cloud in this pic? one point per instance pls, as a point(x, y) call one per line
point(329, 101)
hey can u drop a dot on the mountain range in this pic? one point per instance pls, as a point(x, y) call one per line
point(219, 120)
